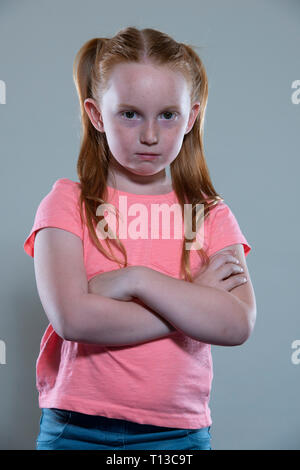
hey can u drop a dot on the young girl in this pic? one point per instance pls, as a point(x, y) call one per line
point(125, 362)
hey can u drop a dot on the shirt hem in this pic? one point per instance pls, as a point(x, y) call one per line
point(129, 414)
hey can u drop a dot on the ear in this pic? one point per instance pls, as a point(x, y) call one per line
point(92, 109)
point(193, 115)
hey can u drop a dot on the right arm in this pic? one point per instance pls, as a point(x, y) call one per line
point(110, 322)
point(76, 314)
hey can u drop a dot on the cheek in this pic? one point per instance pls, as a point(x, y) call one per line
point(173, 140)
point(118, 138)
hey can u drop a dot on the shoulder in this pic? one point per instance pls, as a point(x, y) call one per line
point(218, 211)
point(224, 229)
point(217, 206)
point(60, 209)
point(64, 193)
point(66, 185)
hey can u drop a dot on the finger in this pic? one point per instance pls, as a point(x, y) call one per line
point(220, 252)
point(229, 269)
point(222, 258)
point(234, 281)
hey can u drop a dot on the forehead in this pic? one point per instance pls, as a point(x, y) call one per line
point(138, 84)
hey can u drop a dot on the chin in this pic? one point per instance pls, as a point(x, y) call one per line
point(143, 171)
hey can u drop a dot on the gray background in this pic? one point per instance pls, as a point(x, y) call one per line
point(251, 53)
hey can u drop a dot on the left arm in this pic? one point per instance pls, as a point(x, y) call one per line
point(206, 314)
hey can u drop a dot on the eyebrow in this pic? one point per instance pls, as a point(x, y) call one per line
point(130, 106)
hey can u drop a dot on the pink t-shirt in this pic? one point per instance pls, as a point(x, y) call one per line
point(163, 382)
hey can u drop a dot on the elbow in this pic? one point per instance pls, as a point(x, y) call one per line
point(58, 322)
point(68, 320)
point(243, 336)
point(247, 324)
point(69, 330)
point(64, 330)
point(68, 334)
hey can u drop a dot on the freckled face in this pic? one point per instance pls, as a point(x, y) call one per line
point(154, 118)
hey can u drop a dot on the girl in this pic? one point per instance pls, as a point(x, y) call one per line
point(125, 362)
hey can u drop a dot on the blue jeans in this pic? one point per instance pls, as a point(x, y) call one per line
point(70, 430)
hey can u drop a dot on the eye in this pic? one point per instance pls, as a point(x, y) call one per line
point(128, 112)
point(169, 112)
point(133, 112)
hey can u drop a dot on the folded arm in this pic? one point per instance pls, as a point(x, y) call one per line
point(206, 314)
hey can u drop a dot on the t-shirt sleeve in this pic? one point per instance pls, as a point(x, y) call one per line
point(59, 208)
point(224, 230)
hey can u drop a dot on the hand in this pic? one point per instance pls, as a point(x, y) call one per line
point(116, 284)
point(220, 272)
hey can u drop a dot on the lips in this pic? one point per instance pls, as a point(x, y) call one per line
point(147, 156)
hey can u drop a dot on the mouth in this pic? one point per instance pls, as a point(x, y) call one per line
point(148, 156)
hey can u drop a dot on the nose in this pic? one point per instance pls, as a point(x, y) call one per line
point(149, 134)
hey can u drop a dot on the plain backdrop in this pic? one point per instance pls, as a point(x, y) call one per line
point(251, 54)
